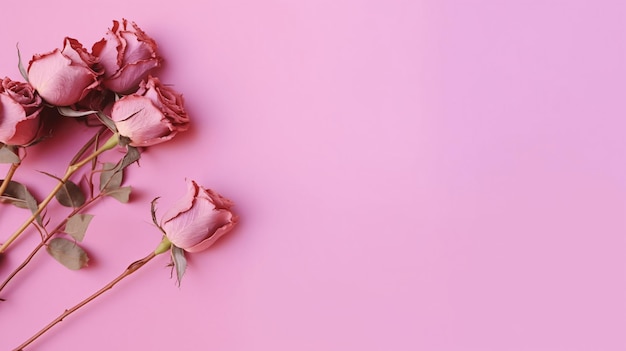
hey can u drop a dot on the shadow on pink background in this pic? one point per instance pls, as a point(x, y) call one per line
point(410, 175)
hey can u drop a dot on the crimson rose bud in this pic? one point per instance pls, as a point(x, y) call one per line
point(64, 77)
point(20, 109)
point(152, 115)
point(198, 219)
point(127, 56)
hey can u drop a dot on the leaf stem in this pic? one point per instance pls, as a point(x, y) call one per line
point(71, 169)
point(130, 270)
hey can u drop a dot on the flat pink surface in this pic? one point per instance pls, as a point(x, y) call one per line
point(431, 175)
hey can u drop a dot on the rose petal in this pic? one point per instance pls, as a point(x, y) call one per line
point(60, 80)
point(206, 243)
point(194, 223)
point(137, 118)
point(184, 203)
point(11, 113)
point(129, 76)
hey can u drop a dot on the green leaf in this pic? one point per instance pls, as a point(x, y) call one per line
point(68, 112)
point(70, 195)
point(20, 66)
point(120, 194)
point(18, 195)
point(77, 225)
point(180, 262)
point(7, 155)
point(68, 253)
point(110, 177)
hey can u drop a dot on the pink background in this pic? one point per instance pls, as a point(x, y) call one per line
point(410, 175)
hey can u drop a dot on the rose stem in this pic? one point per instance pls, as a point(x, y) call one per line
point(46, 239)
point(130, 270)
point(71, 169)
point(9, 176)
point(56, 229)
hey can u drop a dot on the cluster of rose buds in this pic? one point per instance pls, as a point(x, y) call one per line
point(114, 78)
point(113, 85)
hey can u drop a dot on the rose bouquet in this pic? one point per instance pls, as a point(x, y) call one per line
point(112, 90)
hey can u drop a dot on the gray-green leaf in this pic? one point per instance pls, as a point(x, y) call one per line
point(107, 121)
point(68, 112)
point(180, 262)
point(18, 195)
point(20, 66)
point(153, 212)
point(110, 177)
point(132, 156)
point(70, 195)
point(120, 194)
point(68, 253)
point(8, 156)
point(77, 225)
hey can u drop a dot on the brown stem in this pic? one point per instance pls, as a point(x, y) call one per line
point(94, 140)
point(130, 270)
point(47, 238)
point(9, 176)
point(71, 169)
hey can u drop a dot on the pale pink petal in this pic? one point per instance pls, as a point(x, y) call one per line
point(129, 76)
point(107, 50)
point(183, 204)
point(58, 80)
point(79, 55)
point(137, 50)
point(137, 118)
point(192, 226)
point(194, 223)
point(128, 55)
point(219, 201)
point(206, 243)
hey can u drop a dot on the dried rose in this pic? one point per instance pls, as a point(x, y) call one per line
point(127, 55)
point(152, 115)
point(20, 109)
point(198, 219)
point(64, 77)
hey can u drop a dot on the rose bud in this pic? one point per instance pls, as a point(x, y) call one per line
point(64, 77)
point(127, 56)
point(20, 109)
point(198, 219)
point(152, 115)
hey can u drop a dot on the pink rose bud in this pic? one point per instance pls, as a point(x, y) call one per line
point(152, 115)
point(198, 219)
point(64, 77)
point(20, 109)
point(127, 55)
